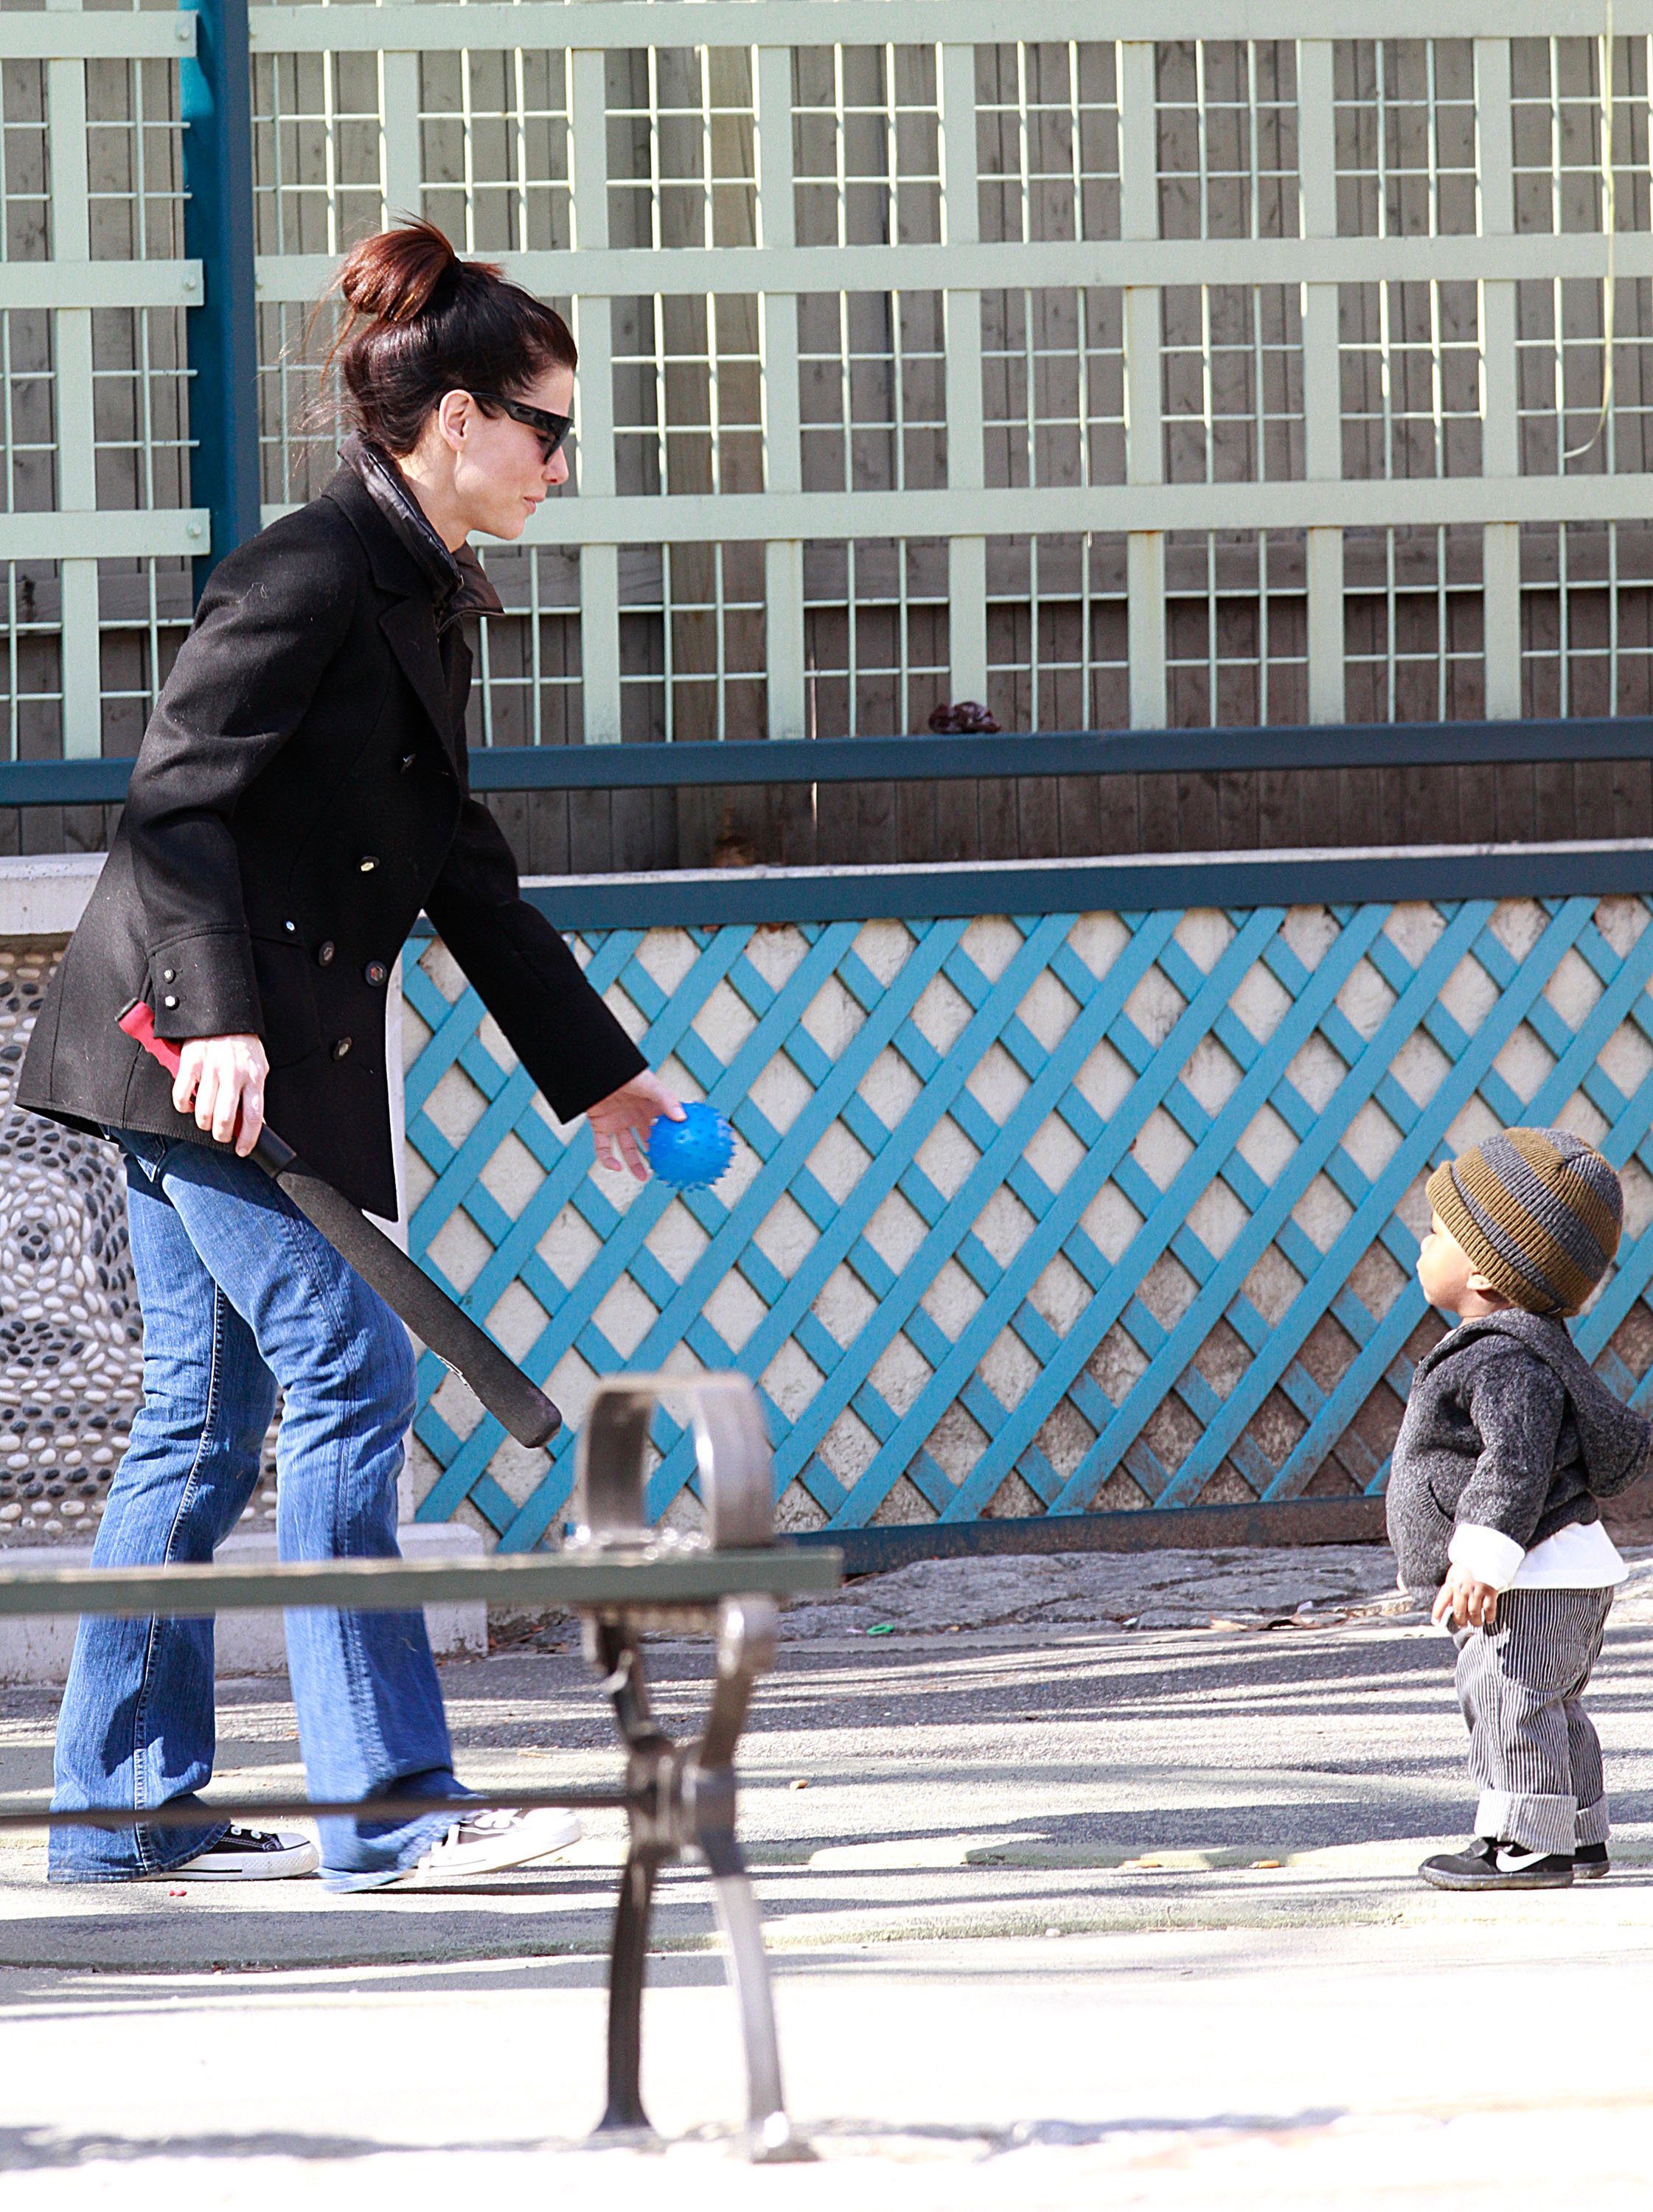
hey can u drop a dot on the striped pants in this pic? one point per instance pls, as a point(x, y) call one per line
point(1532, 1746)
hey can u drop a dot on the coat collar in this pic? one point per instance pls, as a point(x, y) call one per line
point(457, 582)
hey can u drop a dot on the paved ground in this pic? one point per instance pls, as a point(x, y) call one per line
point(1027, 1953)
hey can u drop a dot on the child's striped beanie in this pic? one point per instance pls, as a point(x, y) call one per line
point(1537, 1210)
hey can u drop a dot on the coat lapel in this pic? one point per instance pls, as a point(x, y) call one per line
point(408, 623)
point(410, 632)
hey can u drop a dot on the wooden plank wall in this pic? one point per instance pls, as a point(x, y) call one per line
point(1036, 818)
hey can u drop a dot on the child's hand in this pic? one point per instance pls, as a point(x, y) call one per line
point(1467, 1603)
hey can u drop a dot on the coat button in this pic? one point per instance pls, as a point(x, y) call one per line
point(408, 760)
point(325, 954)
point(169, 974)
point(169, 1001)
point(291, 927)
point(376, 971)
point(341, 1046)
point(368, 863)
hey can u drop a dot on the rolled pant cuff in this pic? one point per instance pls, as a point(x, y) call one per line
point(1591, 1825)
point(1537, 1824)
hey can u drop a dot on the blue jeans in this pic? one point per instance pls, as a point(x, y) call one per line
point(241, 1293)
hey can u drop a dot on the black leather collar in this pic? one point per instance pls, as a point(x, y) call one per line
point(458, 583)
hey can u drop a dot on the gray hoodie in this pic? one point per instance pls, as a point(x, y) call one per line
point(1506, 1427)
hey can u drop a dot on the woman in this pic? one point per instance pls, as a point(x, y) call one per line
point(300, 795)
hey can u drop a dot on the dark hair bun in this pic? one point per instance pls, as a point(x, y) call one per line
point(392, 275)
point(421, 322)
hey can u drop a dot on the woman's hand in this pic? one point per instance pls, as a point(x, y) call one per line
point(222, 1079)
point(621, 1122)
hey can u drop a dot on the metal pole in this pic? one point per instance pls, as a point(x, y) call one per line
point(222, 331)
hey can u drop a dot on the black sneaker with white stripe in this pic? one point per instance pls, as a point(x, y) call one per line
point(246, 1854)
point(1489, 1864)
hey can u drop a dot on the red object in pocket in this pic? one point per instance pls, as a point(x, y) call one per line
point(138, 1022)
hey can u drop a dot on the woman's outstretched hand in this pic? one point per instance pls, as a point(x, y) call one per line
point(221, 1080)
point(621, 1122)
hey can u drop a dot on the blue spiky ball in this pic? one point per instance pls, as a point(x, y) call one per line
point(693, 1152)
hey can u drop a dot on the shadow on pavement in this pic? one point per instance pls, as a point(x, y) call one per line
point(24, 2150)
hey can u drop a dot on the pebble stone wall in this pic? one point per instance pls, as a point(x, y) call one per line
point(70, 1359)
point(70, 1342)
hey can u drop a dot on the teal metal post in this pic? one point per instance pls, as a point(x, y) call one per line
point(222, 331)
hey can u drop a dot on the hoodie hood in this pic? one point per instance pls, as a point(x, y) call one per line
point(1615, 1441)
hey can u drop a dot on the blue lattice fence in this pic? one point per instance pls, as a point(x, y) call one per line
point(1047, 1214)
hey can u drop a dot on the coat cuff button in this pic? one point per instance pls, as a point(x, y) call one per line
point(341, 1046)
point(376, 971)
point(325, 954)
point(368, 863)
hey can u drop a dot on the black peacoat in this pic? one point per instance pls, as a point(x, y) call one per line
point(299, 795)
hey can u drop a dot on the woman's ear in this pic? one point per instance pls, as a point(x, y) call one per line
point(453, 413)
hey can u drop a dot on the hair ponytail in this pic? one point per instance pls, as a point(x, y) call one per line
point(421, 322)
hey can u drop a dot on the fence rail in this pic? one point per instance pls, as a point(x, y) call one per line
point(936, 760)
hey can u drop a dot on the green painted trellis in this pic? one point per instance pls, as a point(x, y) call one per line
point(1032, 1214)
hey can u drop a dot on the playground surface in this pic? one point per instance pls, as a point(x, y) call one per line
point(1059, 1907)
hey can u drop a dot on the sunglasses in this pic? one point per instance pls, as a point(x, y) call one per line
point(552, 428)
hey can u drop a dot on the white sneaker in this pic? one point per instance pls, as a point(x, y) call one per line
point(488, 1843)
point(246, 1854)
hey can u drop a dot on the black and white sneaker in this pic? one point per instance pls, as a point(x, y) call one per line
point(1590, 1862)
point(1487, 1864)
point(246, 1854)
point(478, 1843)
point(493, 1842)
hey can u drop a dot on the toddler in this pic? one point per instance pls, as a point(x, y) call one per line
point(1509, 1439)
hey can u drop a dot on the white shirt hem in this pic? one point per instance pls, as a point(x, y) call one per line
point(1581, 1556)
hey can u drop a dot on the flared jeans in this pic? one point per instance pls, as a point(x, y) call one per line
point(242, 1296)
